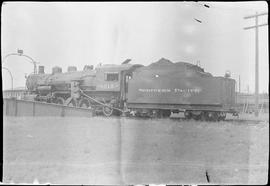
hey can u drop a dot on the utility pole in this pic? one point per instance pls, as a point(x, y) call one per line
point(239, 84)
point(10, 76)
point(256, 56)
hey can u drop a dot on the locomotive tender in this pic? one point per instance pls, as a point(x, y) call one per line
point(156, 90)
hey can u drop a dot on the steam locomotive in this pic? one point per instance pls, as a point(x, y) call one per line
point(156, 90)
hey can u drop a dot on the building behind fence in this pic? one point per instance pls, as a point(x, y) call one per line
point(18, 93)
point(246, 102)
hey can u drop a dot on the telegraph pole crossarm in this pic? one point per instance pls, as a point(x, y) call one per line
point(256, 15)
point(246, 28)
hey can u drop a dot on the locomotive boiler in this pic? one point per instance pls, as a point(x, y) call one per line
point(155, 90)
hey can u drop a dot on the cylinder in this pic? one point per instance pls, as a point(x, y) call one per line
point(56, 69)
point(72, 69)
point(41, 69)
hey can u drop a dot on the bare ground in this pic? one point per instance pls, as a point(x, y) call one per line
point(103, 150)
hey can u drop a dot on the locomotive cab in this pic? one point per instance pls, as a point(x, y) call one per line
point(112, 85)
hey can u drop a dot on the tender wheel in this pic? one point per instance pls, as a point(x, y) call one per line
point(196, 117)
point(107, 110)
point(188, 114)
point(222, 116)
point(204, 116)
point(214, 116)
point(166, 113)
point(84, 103)
point(207, 116)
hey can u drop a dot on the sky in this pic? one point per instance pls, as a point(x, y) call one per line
point(78, 34)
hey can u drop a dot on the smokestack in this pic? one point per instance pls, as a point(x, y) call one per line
point(88, 67)
point(72, 69)
point(41, 70)
point(56, 70)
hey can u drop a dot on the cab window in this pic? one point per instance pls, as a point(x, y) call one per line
point(112, 76)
